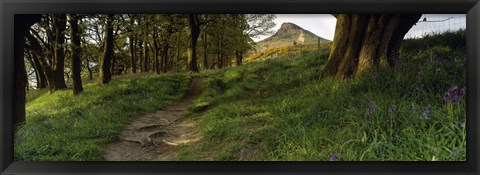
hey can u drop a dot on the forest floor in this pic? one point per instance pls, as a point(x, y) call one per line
point(156, 135)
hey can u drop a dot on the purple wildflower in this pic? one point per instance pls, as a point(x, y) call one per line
point(425, 112)
point(333, 157)
point(422, 86)
point(454, 94)
point(393, 109)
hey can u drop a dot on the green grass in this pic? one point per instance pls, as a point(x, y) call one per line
point(280, 110)
point(61, 126)
point(277, 109)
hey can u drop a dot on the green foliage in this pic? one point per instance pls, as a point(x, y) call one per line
point(61, 126)
point(279, 110)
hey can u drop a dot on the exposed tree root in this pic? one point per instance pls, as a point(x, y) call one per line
point(169, 143)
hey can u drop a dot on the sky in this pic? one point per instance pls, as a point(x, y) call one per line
point(323, 25)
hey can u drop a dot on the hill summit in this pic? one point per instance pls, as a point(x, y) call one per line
point(289, 34)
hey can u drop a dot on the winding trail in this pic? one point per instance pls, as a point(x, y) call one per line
point(155, 136)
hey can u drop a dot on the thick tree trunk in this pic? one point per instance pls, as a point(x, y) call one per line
point(364, 41)
point(76, 63)
point(60, 22)
point(106, 61)
point(194, 34)
point(22, 24)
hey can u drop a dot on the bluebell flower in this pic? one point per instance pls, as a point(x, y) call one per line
point(333, 157)
point(425, 112)
point(393, 109)
point(454, 94)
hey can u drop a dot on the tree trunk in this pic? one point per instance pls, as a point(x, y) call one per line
point(364, 41)
point(37, 50)
point(178, 54)
point(60, 22)
point(145, 57)
point(194, 33)
point(76, 63)
point(165, 57)
point(42, 80)
point(105, 62)
point(22, 24)
point(205, 53)
point(140, 62)
point(131, 45)
point(239, 57)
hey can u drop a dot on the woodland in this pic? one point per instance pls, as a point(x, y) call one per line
point(149, 87)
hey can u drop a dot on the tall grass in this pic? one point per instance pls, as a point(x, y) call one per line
point(280, 110)
point(61, 126)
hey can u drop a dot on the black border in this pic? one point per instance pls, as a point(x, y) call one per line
point(10, 7)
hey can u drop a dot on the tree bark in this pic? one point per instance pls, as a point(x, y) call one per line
point(60, 22)
point(76, 63)
point(239, 57)
point(145, 57)
point(131, 45)
point(22, 24)
point(363, 41)
point(140, 62)
point(205, 52)
point(105, 62)
point(165, 57)
point(42, 80)
point(194, 33)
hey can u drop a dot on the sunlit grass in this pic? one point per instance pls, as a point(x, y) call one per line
point(61, 126)
point(280, 110)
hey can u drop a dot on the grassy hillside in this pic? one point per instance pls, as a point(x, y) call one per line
point(61, 126)
point(280, 110)
point(286, 36)
point(276, 109)
point(287, 51)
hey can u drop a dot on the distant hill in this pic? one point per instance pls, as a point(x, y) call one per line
point(287, 35)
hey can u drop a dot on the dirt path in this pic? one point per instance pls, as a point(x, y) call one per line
point(155, 136)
